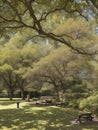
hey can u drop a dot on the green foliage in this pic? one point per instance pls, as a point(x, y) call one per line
point(64, 70)
point(45, 19)
point(73, 104)
point(6, 68)
point(46, 93)
point(17, 58)
point(27, 65)
point(35, 94)
point(90, 103)
point(78, 32)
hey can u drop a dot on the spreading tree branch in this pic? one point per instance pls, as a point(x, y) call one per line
point(36, 23)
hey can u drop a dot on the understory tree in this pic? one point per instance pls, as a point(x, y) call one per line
point(15, 61)
point(62, 69)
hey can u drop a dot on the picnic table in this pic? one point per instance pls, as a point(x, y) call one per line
point(86, 116)
point(48, 101)
point(60, 103)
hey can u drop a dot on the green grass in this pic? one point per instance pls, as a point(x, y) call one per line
point(6, 101)
point(41, 118)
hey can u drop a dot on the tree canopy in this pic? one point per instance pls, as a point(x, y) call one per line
point(41, 42)
point(15, 60)
point(40, 16)
point(62, 69)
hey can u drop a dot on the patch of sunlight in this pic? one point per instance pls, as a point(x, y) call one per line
point(34, 109)
point(50, 113)
point(42, 122)
point(38, 128)
point(56, 125)
point(87, 129)
point(43, 108)
point(33, 128)
point(13, 127)
point(15, 121)
point(53, 106)
point(38, 108)
point(5, 128)
point(24, 123)
point(69, 125)
point(12, 106)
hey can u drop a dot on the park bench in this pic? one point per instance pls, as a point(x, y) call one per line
point(85, 116)
point(48, 101)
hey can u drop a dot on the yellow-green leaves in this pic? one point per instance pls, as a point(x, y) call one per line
point(6, 68)
point(78, 33)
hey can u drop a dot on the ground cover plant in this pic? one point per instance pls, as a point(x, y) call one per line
point(29, 117)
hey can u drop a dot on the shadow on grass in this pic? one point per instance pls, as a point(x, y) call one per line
point(42, 118)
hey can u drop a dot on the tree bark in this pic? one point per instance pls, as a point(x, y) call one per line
point(22, 95)
point(56, 90)
point(10, 94)
point(28, 97)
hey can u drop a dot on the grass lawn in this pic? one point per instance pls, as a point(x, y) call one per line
point(6, 101)
point(29, 117)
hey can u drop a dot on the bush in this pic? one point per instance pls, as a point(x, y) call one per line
point(35, 94)
point(46, 93)
point(73, 104)
point(90, 104)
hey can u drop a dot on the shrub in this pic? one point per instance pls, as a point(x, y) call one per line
point(46, 93)
point(90, 104)
point(73, 104)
